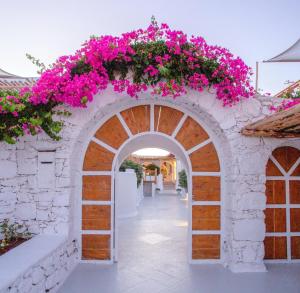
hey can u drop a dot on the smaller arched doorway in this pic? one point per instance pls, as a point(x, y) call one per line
point(282, 214)
point(168, 169)
point(111, 143)
point(141, 141)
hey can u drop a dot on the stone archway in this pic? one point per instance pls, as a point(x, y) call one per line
point(98, 179)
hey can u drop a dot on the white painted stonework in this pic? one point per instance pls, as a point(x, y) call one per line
point(55, 209)
point(140, 194)
point(159, 182)
point(38, 265)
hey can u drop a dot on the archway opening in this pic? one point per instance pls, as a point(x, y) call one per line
point(151, 220)
point(159, 166)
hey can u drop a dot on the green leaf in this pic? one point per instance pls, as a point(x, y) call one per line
point(84, 100)
point(9, 139)
point(164, 71)
point(35, 121)
point(56, 126)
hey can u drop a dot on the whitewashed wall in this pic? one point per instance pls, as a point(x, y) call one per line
point(48, 274)
point(243, 160)
point(126, 194)
point(44, 210)
point(8, 181)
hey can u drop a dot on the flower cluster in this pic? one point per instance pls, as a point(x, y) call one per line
point(157, 59)
point(286, 104)
point(19, 116)
point(290, 98)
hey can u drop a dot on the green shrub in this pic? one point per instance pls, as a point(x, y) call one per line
point(182, 179)
point(153, 167)
point(138, 169)
point(11, 232)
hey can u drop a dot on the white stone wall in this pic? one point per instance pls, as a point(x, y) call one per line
point(8, 184)
point(243, 161)
point(49, 274)
point(21, 199)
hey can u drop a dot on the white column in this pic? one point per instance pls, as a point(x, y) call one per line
point(126, 194)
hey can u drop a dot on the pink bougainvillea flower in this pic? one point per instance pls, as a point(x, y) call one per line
point(151, 70)
point(157, 59)
point(286, 104)
point(63, 84)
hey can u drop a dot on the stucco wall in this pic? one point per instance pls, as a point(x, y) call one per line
point(8, 180)
point(243, 160)
point(43, 210)
point(48, 274)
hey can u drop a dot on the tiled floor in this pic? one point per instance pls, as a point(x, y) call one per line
point(153, 259)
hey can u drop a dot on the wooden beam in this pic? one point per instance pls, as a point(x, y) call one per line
point(270, 133)
point(295, 128)
point(277, 118)
point(282, 124)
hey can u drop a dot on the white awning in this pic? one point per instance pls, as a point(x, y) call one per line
point(292, 54)
point(5, 74)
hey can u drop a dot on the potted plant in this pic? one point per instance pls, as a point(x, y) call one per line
point(138, 169)
point(182, 181)
point(12, 235)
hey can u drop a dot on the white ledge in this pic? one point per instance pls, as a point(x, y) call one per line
point(17, 261)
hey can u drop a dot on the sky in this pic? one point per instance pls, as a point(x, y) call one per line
point(146, 152)
point(255, 30)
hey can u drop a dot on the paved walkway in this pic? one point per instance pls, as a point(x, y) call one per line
point(153, 259)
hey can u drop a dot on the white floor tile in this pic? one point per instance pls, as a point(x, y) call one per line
point(153, 258)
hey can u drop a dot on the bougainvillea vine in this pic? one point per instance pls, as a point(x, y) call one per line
point(159, 60)
point(290, 98)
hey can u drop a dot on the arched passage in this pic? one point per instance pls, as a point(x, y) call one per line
point(101, 157)
point(144, 140)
